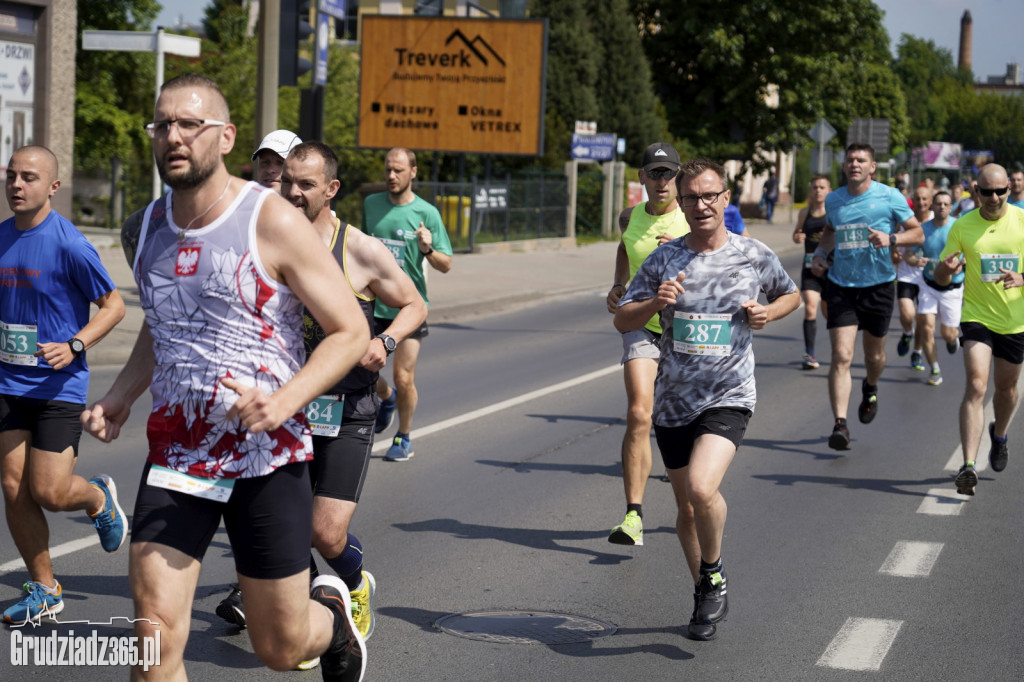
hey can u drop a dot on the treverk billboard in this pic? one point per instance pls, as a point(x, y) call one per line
point(454, 85)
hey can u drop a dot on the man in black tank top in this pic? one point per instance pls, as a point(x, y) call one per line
point(810, 223)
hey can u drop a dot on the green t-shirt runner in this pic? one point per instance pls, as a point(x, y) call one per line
point(396, 227)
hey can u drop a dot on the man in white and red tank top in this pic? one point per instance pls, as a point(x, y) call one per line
point(224, 269)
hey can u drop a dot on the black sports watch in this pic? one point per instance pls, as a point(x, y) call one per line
point(77, 347)
point(389, 343)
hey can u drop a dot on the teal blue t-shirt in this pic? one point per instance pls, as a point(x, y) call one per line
point(396, 227)
point(856, 263)
point(934, 242)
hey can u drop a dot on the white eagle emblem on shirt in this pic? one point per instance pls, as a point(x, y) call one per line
point(188, 258)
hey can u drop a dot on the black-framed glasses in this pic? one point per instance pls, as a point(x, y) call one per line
point(661, 173)
point(709, 198)
point(1000, 191)
point(187, 127)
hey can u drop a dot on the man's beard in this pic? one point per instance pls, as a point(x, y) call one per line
point(190, 178)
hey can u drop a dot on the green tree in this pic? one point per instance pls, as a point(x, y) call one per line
point(226, 21)
point(753, 77)
point(928, 78)
point(626, 99)
point(572, 75)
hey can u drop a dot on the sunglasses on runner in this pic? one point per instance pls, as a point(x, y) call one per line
point(661, 173)
point(993, 192)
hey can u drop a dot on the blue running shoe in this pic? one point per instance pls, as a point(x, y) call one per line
point(386, 413)
point(400, 450)
point(109, 523)
point(38, 604)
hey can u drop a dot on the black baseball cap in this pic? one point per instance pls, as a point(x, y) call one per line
point(660, 155)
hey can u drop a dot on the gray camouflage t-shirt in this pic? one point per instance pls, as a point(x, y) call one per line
point(707, 356)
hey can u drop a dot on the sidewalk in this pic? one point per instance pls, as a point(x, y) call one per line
point(477, 284)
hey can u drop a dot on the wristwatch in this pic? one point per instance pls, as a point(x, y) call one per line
point(389, 343)
point(427, 253)
point(892, 239)
point(77, 347)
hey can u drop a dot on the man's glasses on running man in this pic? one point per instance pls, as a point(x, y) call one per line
point(992, 192)
point(709, 199)
point(187, 127)
point(661, 173)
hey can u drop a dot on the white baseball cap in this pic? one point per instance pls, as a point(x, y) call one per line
point(281, 142)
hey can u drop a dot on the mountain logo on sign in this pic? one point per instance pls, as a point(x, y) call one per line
point(471, 45)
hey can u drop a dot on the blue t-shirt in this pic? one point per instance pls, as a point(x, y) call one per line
point(934, 243)
point(49, 276)
point(1018, 204)
point(856, 262)
point(734, 220)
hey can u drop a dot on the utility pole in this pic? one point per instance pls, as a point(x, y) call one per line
point(267, 69)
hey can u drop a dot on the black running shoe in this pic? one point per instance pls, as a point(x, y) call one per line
point(952, 346)
point(903, 347)
point(345, 658)
point(712, 601)
point(230, 609)
point(997, 453)
point(840, 438)
point(868, 408)
point(702, 632)
point(966, 480)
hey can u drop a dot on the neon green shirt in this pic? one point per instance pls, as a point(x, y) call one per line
point(641, 237)
point(988, 245)
point(396, 227)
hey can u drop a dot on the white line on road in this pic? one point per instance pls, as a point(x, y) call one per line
point(911, 559)
point(59, 550)
point(942, 502)
point(861, 644)
point(503, 405)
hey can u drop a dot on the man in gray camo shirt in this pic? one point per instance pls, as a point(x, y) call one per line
point(705, 286)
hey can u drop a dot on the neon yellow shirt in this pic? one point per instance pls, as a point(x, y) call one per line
point(641, 237)
point(988, 245)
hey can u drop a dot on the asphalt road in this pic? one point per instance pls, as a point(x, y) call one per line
point(866, 558)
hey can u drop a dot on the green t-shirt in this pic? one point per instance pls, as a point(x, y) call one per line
point(988, 245)
point(396, 227)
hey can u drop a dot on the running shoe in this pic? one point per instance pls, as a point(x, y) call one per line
point(810, 362)
point(362, 605)
point(345, 658)
point(230, 608)
point(840, 438)
point(37, 604)
point(629, 532)
point(903, 347)
point(917, 361)
point(308, 665)
point(386, 413)
point(712, 601)
point(400, 450)
point(702, 632)
point(966, 479)
point(952, 346)
point(109, 521)
point(998, 453)
point(936, 378)
point(868, 408)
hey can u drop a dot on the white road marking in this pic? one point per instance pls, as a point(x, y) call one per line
point(59, 550)
point(942, 502)
point(498, 407)
point(861, 644)
point(911, 559)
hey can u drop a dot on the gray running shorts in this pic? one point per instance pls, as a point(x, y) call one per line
point(642, 343)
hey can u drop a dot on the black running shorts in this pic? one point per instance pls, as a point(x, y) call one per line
point(869, 308)
point(907, 290)
point(1009, 347)
point(269, 521)
point(54, 425)
point(676, 442)
point(339, 467)
point(380, 325)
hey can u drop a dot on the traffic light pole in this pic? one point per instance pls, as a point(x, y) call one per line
point(269, 47)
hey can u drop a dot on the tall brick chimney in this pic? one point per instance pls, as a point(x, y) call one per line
point(966, 27)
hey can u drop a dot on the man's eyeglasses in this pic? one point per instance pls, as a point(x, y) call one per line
point(709, 199)
point(1000, 191)
point(661, 173)
point(187, 127)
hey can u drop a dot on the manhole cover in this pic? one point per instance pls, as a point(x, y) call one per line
point(524, 627)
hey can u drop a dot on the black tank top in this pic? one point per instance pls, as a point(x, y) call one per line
point(813, 227)
point(359, 380)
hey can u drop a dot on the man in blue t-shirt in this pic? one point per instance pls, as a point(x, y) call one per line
point(1017, 189)
point(862, 223)
point(49, 276)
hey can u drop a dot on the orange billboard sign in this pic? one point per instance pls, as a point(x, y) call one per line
point(451, 84)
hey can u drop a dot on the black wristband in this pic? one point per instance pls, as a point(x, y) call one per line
point(427, 253)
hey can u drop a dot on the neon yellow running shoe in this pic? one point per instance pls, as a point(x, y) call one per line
point(308, 665)
point(362, 605)
point(629, 532)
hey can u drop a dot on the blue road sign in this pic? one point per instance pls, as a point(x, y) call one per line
point(336, 8)
point(600, 147)
point(323, 35)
